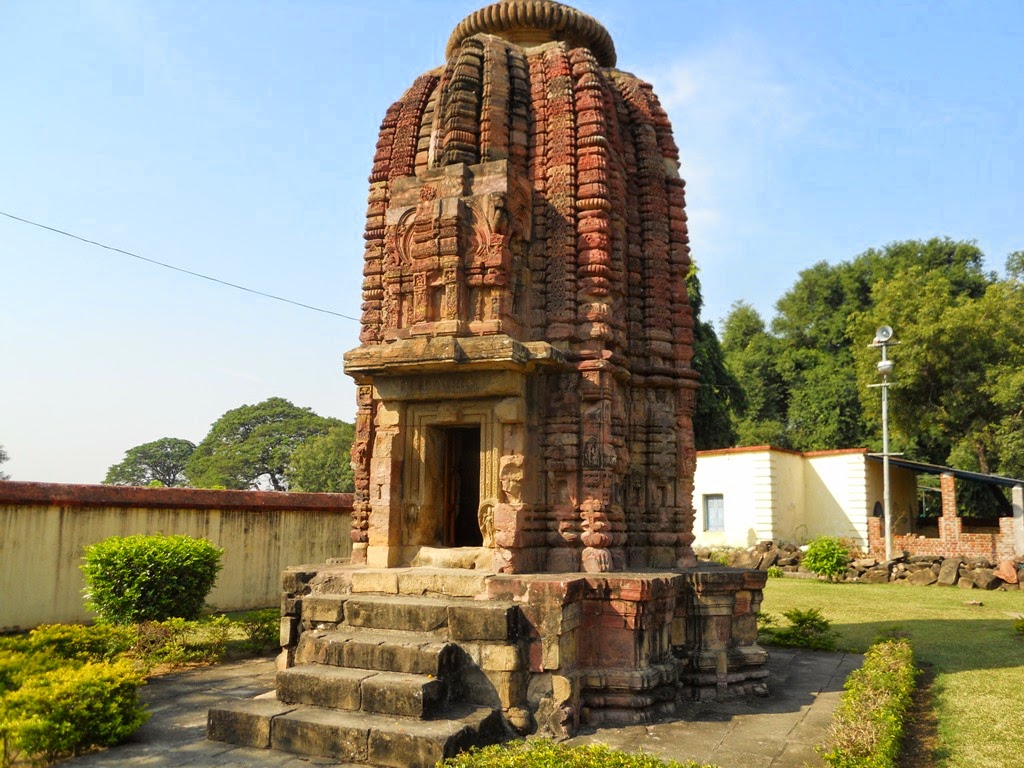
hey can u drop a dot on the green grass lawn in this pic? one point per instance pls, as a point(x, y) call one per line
point(975, 654)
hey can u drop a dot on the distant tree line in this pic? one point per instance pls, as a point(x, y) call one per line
point(957, 394)
point(273, 445)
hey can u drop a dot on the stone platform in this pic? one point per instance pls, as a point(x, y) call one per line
point(435, 660)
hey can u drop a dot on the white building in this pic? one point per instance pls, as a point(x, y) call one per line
point(746, 495)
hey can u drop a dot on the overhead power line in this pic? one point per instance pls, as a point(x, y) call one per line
point(177, 269)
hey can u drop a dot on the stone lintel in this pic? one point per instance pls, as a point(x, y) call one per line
point(429, 354)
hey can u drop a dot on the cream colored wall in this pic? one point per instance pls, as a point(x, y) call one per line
point(902, 488)
point(792, 497)
point(744, 479)
point(788, 478)
point(41, 549)
point(836, 497)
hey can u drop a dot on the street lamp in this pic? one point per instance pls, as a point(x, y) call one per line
point(883, 337)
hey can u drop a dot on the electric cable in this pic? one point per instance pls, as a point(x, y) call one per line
point(178, 269)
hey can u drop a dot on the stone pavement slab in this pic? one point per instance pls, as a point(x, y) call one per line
point(776, 731)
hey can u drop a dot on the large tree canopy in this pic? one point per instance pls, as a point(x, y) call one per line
point(751, 355)
point(719, 394)
point(161, 461)
point(957, 394)
point(250, 447)
point(323, 463)
point(3, 458)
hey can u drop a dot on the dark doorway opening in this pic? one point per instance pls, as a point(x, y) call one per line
point(462, 487)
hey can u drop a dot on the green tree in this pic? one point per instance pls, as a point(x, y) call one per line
point(250, 447)
point(323, 463)
point(3, 457)
point(805, 381)
point(720, 394)
point(752, 356)
point(161, 461)
point(958, 391)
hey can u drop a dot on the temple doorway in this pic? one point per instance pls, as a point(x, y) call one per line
point(461, 499)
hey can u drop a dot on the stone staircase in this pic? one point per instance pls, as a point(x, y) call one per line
point(386, 680)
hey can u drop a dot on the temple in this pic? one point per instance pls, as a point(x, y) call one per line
point(524, 450)
point(524, 376)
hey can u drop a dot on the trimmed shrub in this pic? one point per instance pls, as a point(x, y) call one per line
point(149, 578)
point(51, 646)
point(806, 629)
point(68, 710)
point(867, 727)
point(542, 753)
point(77, 642)
point(827, 556)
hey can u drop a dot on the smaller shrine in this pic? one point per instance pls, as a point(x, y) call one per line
point(524, 448)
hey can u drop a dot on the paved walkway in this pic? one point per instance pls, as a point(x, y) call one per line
point(778, 731)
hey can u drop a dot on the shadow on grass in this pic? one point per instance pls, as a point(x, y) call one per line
point(949, 645)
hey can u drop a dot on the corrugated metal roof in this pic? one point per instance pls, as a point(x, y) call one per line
point(935, 469)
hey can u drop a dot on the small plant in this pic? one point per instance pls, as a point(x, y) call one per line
point(1018, 627)
point(806, 629)
point(765, 621)
point(177, 642)
point(149, 578)
point(78, 642)
point(541, 753)
point(775, 572)
point(827, 556)
point(262, 630)
point(720, 556)
point(868, 724)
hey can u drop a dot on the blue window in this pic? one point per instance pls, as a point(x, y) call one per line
point(714, 512)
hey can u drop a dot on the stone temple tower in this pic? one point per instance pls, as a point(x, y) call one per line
point(524, 382)
point(524, 457)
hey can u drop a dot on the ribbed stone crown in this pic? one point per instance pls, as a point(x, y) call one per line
point(533, 22)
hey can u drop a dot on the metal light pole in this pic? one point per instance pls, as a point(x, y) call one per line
point(882, 338)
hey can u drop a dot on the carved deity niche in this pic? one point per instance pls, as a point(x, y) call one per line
point(497, 229)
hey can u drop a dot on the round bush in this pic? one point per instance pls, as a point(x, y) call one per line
point(132, 579)
point(827, 556)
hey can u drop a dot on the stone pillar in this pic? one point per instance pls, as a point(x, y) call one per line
point(1018, 520)
point(384, 529)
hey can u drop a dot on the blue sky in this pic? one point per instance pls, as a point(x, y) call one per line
point(234, 139)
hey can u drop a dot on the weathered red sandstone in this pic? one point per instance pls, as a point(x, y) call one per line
point(528, 191)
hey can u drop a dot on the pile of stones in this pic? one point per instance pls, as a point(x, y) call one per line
point(917, 570)
point(925, 570)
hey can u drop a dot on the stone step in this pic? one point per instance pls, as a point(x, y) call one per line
point(411, 652)
point(356, 737)
point(386, 693)
point(456, 619)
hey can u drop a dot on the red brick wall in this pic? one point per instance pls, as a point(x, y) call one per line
point(64, 495)
point(952, 540)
